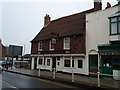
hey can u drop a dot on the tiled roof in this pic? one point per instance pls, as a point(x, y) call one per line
point(65, 26)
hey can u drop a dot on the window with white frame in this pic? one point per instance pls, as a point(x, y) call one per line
point(67, 62)
point(67, 43)
point(52, 46)
point(40, 45)
point(48, 62)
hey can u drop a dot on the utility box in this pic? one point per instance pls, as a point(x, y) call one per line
point(116, 74)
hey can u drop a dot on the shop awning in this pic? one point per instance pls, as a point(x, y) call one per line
point(110, 49)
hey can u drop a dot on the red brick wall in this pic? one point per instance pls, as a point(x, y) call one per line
point(59, 44)
point(77, 45)
point(34, 48)
point(46, 45)
point(4, 53)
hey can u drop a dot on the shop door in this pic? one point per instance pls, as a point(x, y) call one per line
point(54, 62)
point(107, 67)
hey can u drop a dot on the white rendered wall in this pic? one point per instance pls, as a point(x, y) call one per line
point(97, 30)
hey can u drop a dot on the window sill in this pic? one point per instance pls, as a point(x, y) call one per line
point(114, 34)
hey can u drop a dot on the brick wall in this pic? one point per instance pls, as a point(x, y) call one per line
point(34, 47)
point(77, 45)
point(4, 53)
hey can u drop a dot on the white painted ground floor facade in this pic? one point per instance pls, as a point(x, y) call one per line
point(61, 62)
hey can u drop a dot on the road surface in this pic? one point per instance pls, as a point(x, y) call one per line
point(16, 81)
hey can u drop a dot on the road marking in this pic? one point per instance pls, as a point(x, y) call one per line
point(7, 84)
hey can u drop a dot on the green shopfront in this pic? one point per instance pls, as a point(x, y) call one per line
point(110, 53)
point(110, 59)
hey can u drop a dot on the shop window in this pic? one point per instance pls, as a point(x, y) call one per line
point(48, 62)
point(80, 64)
point(40, 61)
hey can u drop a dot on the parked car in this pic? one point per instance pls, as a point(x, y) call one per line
point(1, 68)
point(6, 64)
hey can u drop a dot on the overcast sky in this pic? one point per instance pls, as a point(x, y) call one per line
point(21, 20)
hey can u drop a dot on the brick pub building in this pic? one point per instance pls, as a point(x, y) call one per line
point(60, 44)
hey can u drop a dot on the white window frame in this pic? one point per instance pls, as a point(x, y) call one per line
point(40, 46)
point(68, 42)
point(67, 58)
point(50, 45)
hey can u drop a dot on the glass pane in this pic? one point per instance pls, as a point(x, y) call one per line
point(67, 63)
point(80, 64)
point(119, 28)
point(113, 28)
point(119, 18)
point(113, 19)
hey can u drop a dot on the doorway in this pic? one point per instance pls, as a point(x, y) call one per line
point(107, 66)
point(35, 63)
point(53, 62)
point(93, 64)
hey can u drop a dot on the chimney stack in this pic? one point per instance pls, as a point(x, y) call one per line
point(97, 5)
point(46, 20)
point(108, 5)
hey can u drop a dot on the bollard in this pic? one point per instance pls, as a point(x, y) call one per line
point(39, 71)
point(53, 73)
point(98, 78)
point(72, 75)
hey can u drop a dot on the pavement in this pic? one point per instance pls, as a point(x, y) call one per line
point(79, 80)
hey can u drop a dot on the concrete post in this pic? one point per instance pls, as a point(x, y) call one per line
point(98, 79)
point(39, 71)
point(32, 63)
point(98, 71)
point(53, 73)
point(72, 75)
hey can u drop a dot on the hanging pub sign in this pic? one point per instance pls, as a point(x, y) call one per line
point(53, 41)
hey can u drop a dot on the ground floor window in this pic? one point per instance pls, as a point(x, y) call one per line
point(40, 61)
point(67, 63)
point(80, 64)
point(48, 62)
point(58, 63)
